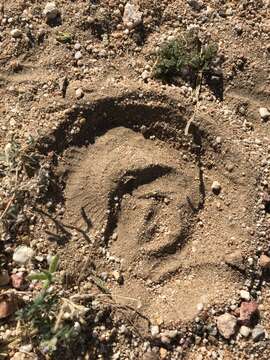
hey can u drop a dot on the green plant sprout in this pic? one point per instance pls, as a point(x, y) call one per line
point(46, 275)
point(184, 57)
point(42, 313)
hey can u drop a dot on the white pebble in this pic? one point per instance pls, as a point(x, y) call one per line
point(79, 93)
point(244, 331)
point(216, 187)
point(264, 113)
point(154, 330)
point(78, 55)
point(245, 295)
point(26, 348)
point(50, 11)
point(23, 254)
point(145, 75)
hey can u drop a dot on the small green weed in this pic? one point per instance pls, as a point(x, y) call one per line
point(41, 316)
point(184, 57)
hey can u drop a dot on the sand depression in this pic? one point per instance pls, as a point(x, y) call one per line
point(146, 189)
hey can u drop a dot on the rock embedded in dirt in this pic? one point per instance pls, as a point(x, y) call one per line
point(79, 93)
point(123, 330)
point(235, 259)
point(78, 55)
point(16, 33)
point(15, 66)
point(216, 187)
point(17, 280)
point(264, 261)
point(244, 331)
point(50, 11)
point(118, 277)
point(227, 325)
point(245, 295)
point(266, 200)
point(154, 330)
point(4, 278)
point(165, 340)
point(145, 75)
point(195, 5)
point(249, 312)
point(163, 353)
point(23, 254)
point(258, 333)
point(264, 113)
point(132, 16)
point(8, 305)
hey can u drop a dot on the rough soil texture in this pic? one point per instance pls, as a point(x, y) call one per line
point(125, 175)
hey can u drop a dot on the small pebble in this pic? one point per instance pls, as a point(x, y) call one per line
point(78, 55)
point(226, 325)
point(248, 312)
point(16, 33)
point(258, 333)
point(145, 75)
point(4, 278)
point(123, 329)
point(264, 262)
point(23, 254)
point(244, 331)
point(50, 11)
point(245, 295)
point(7, 305)
point(264, 113)
point(118, 276)
point(216, 187)
point(132, 16)
point(200, 306)
point(163, 353)
point(154, 330)
point(79, 93)
point(77, 46)
point(26, 348)
point(17, 280)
